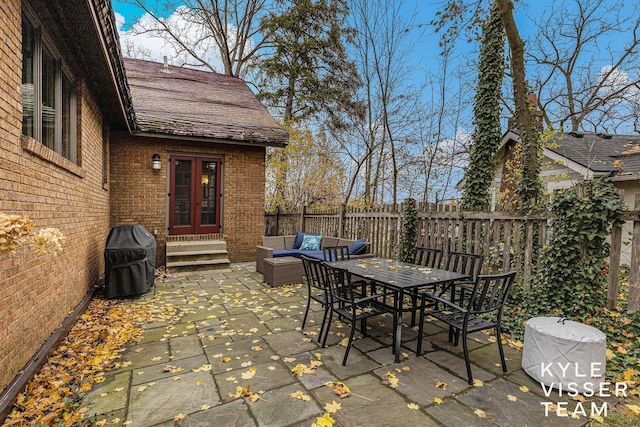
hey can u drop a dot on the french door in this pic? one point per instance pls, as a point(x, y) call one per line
point(194, 195)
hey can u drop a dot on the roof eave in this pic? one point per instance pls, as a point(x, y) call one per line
point(278, 143)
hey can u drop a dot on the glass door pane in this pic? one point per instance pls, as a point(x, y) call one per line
point(182, 193)
point(208, 194)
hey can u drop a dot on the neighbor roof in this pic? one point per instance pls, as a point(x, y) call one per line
point(598, 151)
point(595, 151)
point(198, 104)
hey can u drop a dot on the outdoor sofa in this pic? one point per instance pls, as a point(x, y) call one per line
point(290, 246)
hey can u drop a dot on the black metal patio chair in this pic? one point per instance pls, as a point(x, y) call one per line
point(349, 304)
point(428, 257)
point(316, 290)
point(336, 253)
point(483, 311)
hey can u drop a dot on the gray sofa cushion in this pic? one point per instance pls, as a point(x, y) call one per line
point(274, 242)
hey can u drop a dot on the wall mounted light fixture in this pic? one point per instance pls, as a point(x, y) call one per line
point(155, 162)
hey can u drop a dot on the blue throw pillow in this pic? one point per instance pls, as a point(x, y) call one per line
point(299, 237)
point(311, 242)
point(358, 247)
point(298, 241)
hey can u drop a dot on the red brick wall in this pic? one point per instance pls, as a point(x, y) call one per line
point(139, 194)
point(37, 292)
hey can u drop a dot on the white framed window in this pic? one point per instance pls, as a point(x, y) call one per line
point(48, 92)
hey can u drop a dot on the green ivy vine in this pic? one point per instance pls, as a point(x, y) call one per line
point(570, 280)
point(486, 116)
point(409, 236)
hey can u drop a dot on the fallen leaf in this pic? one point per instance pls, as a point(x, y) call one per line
point(179, 417)
point(437, 400)
point(442, 385)
point(340, 389)
point(477, 383)
point(344, 342)
point(287, 359)
point(332, 407)
point(634, 408)
point(300, 396)
point(524, 389)
point(324, 421)
point(480, 413)
point(115, 421)
point(101, 423)
point(249, 374)
point(610, 354)
point(413, 406)
point(578, 398)
point(598, 418)
point(512, 398)
point(204, 407)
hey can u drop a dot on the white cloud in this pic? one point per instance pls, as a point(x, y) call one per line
point(144, 40)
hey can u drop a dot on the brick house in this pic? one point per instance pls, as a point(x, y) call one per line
point(79, 126)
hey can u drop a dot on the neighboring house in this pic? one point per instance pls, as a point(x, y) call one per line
point(571, 156)
point(78, 128)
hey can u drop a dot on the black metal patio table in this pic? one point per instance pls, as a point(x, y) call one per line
point(402, 278)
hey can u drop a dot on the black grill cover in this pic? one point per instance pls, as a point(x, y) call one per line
point(129, 260)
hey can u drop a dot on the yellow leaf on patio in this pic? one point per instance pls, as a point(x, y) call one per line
point(344, 342)
point(480, 413)
point(101, 423)
point(477, 383)
point(442, 385)
point(115, 421)
point(413, 406)
point(324, 421)
point(332, 407)
point(249, 374)
point(437, 400)
point(300, 396)
point(598, 418)
point(512, 398)
point(204, 407)
point(518, 345)
point(179, 417)
point(524, 389)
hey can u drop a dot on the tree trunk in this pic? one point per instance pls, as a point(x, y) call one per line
point(529, 187)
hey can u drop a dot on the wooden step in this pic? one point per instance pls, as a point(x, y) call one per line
point(197, 255)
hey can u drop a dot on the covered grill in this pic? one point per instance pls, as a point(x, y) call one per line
point(129, 259)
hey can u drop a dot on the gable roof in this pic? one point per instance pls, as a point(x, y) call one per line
point(593, 151)
point(194, 104)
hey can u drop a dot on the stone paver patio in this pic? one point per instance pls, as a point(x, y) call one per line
point(191, 365)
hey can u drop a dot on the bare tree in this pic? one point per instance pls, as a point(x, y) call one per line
point(587, 59)
point(207, 33)
point(385, 41)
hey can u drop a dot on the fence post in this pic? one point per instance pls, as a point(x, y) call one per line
point(634, 274)
point(302, 217)
point(341, 215)
point(277, 221)
point(614, 263)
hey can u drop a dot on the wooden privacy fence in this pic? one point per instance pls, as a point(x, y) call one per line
point(508, 241)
